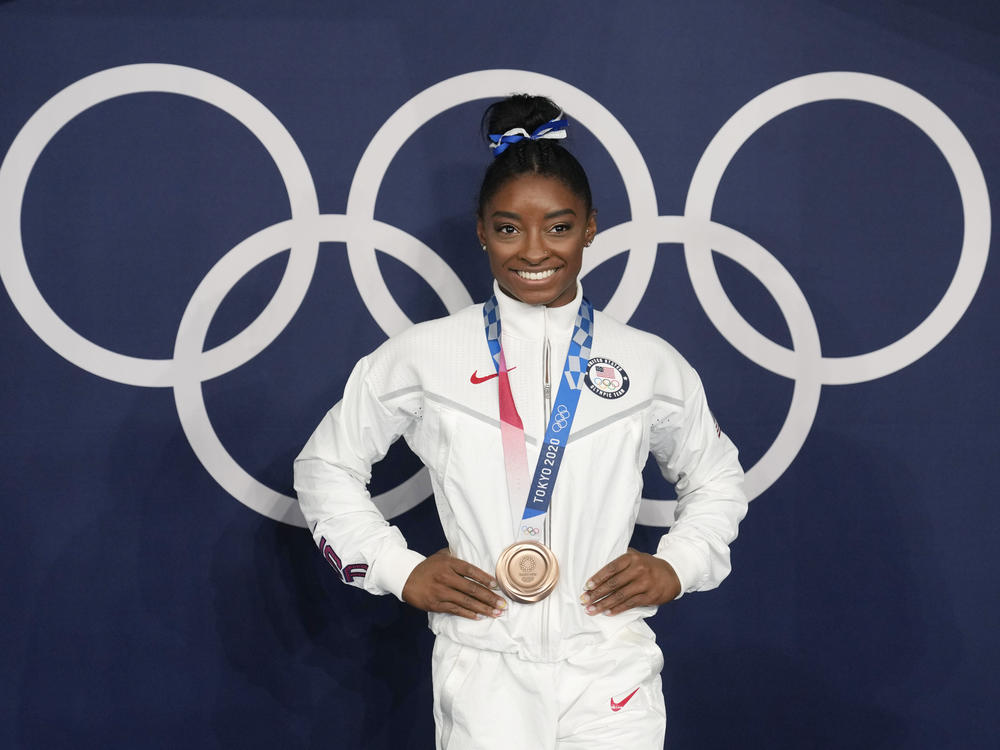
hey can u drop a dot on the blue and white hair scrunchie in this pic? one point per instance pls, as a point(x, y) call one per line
point(552, 129)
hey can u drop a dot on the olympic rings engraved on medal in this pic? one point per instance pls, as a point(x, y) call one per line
point(190, 365)
point(560, 419)
point(531, 530)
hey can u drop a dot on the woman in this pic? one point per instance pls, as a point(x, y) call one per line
point(537, 603)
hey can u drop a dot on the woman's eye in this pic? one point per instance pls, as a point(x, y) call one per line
point(558, 228)
point(505, 229)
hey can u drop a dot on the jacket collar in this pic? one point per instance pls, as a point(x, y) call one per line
point(531, 322)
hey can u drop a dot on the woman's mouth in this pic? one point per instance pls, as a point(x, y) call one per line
point(536, 275)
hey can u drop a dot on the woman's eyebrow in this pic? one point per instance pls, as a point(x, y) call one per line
point(560, 212)
point(550, 215)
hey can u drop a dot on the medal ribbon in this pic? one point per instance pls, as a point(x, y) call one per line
point(539, 492)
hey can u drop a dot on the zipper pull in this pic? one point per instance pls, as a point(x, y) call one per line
point(546, 381)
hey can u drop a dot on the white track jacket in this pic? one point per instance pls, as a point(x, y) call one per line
point(431, 385)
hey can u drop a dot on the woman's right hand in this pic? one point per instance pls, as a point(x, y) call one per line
point(442, 583)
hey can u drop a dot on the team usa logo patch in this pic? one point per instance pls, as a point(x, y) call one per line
point(606, 378)
point(347, 572)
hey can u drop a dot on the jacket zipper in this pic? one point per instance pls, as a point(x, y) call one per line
point(546, 384)
point(546, 411)
point(547, 536)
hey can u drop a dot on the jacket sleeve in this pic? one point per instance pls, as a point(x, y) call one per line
point(703, 464)
point(331, 477)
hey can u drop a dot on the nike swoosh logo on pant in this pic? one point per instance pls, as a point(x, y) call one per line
point(626, 699)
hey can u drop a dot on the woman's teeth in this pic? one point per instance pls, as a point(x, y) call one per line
point(535, 275)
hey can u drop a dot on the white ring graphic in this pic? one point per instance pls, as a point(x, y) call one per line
point(798, 316)
point(975, 210)
point(481, 85)
point(133, 79)
point(191, 337)
point(302, 233)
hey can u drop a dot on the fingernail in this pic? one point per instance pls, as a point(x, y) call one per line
point(589, 585)
point(501, 604)
point(608, 612)
point(497, 612)
point(494, 584)
point(584, 598)
point(591, 609)
point(479, 616)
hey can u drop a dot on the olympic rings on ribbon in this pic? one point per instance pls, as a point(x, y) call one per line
point(561, 418)
point(191, 364)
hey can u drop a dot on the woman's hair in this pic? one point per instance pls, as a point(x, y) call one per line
point(544, 156)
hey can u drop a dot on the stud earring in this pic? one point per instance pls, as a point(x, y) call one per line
point(484, 247)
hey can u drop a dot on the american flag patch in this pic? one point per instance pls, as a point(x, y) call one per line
point(606, 378)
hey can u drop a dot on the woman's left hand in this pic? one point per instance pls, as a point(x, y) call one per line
point(635, 579)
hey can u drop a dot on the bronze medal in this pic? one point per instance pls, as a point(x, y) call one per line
point(527, 571)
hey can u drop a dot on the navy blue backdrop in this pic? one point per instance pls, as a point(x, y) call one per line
point(283, 188)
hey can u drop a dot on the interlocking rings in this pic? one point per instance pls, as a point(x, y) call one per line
point(560, 419)
point(191, 364)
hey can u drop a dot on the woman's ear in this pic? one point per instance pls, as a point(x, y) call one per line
point(480, 233)
point(591, 229)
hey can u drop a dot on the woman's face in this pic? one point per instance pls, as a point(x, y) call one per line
point(534, 229)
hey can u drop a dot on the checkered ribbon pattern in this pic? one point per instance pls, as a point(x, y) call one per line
point(583, 335)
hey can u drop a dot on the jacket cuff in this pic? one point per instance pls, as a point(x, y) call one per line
point(683, 560)
point(394, 567)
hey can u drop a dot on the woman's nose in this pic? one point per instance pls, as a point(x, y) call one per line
point(534, 250)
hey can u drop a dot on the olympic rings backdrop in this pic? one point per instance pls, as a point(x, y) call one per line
point(209, 211)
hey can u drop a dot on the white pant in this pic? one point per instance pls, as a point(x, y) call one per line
point(607, 696)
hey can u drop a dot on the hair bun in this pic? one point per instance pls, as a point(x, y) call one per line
point(518, 111)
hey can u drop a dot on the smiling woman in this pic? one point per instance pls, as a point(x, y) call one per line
point(534, 229)
point(480, 397)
